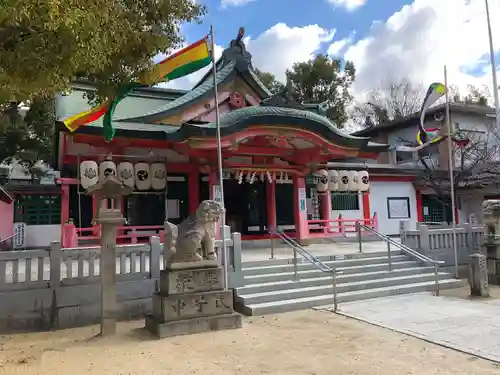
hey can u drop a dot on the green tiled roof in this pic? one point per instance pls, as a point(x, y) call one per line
point(198, 93)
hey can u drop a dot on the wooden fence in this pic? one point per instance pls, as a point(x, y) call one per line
point(60, 287)
point(437, 241)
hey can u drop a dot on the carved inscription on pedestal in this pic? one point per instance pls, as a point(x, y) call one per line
point(191, 281)
point(177, 307)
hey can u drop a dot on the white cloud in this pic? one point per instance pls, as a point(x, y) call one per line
point(236, 3)
point(276, 49)
point(273, 51)
point(421, 38)
point(349, 5)
point(337, 47)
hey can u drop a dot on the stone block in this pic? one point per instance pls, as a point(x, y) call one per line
point(192, 326)
point(478, 275)
point(195, 305)
point(205, 263)
point(191, 280)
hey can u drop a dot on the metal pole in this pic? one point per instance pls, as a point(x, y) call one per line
point(360, 239)
point(493, 68)
point(335, 303)
point(79, 196)
point(219, 163)
point(295, 274)
point(272, 246)
point(389, 259)
point(436, 279)
point(450, 168)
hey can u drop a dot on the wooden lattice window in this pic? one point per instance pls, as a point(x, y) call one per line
point(345, 201)
point(38, 209)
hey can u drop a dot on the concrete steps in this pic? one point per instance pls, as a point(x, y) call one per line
point(270, 286)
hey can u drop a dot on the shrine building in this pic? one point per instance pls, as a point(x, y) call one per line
point(275, 154)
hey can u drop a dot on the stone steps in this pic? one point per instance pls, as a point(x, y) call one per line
point(304, 265)
point(314, 272)
point(323, 258)
point(309, 302)
point(324, 279)
point(271, 287)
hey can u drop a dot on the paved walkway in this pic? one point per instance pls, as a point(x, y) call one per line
point(471, 326)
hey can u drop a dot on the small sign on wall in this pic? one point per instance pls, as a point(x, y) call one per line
point(217, 193)
point(302, 200)
point(398, 208)
point(19, 239)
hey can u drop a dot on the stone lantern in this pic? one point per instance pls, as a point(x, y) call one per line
point(110, 219)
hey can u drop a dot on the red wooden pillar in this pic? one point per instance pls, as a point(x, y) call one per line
point(64, 211)
point(325, 204)
point(213, 181)
point(64, 203)
point(420, 206)
point(194, 190)
point(300, 208)
point(366, 208)
point(271, 205)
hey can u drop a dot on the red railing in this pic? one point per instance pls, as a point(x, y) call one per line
point(73, 236)
point(339, 226)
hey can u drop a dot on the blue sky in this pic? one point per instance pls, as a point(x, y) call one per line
point(259, 15)
point(386, 39)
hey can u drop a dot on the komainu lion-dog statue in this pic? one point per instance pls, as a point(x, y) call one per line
point(193, 240)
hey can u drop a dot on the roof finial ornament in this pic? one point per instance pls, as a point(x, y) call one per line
point(283, 98)
point(237, 52)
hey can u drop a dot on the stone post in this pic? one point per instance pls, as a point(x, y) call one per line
point(424, 244)
point(478, 275)
point(109, 220)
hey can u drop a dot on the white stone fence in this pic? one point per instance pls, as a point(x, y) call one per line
point(436, 242)
point(57, 288)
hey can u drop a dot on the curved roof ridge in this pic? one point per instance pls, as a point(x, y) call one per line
point(187, 98)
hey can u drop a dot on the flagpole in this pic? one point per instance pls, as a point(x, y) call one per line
point(450, 168)
point(224, 253)
point(493, 68)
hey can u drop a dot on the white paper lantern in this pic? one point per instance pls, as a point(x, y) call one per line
point(353, 181)
point(343, 180)
point(363, 181)
point(321, 181)
point(106, 168)
point(333, 180)
point(88, 173)
point(142, 176)
point(126, 173)
point(158, 176)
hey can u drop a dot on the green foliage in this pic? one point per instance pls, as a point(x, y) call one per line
point(27, 136)
point(394, 99)
point(323, 79)
point(45, 44)
point(473, 95)
point(269, 80)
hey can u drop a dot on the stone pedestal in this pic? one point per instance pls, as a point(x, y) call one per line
point(192, 300)
point(478, 275)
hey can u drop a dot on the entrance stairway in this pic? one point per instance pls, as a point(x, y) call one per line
point(271, 286)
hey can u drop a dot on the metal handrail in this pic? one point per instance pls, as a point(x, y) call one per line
point(403, 248)
point(297, 248)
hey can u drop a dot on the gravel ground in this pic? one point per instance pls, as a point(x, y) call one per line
point(306, 342)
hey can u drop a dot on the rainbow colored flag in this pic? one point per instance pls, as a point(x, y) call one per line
point(435, 91)
point(182, 63)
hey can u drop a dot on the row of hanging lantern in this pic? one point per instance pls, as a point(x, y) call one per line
point(142, 176)
point(333, 180)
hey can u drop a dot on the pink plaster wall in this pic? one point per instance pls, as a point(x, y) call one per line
point(6, 219)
